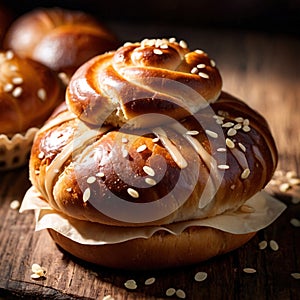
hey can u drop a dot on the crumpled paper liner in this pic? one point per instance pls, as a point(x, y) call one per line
point(15, 150)
point(266, 210)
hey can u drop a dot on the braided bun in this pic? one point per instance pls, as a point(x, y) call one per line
point(147, 138)
point(140, 78)
point(59, 38)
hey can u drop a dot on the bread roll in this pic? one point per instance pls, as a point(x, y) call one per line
point(59, 38)
point(194, 245)
point(146, 138)
point(29, 92)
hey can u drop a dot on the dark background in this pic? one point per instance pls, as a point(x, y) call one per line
point(278, 16)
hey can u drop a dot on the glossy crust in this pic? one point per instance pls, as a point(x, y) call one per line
point(87, 182)
point(29, 92)
point(146, 137)
point(138, 78)
point(194, 245)
point(59, 38)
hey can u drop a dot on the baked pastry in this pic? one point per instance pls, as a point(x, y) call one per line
point(61, 39)
point(29, 92)
point(147, 140)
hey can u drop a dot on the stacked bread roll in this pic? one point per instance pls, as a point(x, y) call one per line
point(148, 138)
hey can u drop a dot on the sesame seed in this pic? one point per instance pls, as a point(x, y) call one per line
point(124, 140)
point(249, 270)
point(199, 51)
point(194, 70)
point(223, 167)
point(38, 271)
point(295, 275)
point(232, 186)
point(221, 149)
point(124, 153)
point(262, 245)
point(108, 297)
point(130, 284)
point(291, 174)
point(164, 46)
point(237, 126)
point(211, 133)
point(141, 148)
point(246, 128)
point(192, 132)
point(41, 93)
point(212, 63)
point(294, 181)
point(8, 87)
point(37, 172)
point(218, 117)
point(229, 143)
point(69, 189)
point(17, 80)
point(239, 119)
point(35, 267)
point(246, 209)
point(13, 68)
point(201, 66)
point(155, 140)
point(203, 75)
point(219, 121)
point(284, 187)
point(180, 294)
point(149, 281)
point(133, 193)
point(9, 54)
point(200, 276)
point(228, 124)
point(183, 44)
point(56, 170)
point(150, 181)
point(91, 179)
point(231, 132)
point(86, 195)
point(242, 147)
point(295, 222)
point(273, 245)
point(149, 171)
point(245, 173)
point(15, 204)
point(157, 51)
point(100, 174)
point(170, 292)
point(64, 77)
point(41, 155)
point(172, 40)
point(246, 122)
point(17, 92)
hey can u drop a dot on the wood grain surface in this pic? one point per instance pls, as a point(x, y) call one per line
point(264, 70)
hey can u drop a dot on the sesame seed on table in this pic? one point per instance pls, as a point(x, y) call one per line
point(262, 69)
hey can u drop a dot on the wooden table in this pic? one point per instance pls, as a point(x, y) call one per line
point(262, 69)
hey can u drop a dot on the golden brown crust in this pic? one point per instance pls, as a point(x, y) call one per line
point(29, 92)
point(59, 38)
point(87, 182)
point(153, 75)
point(194, 245)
